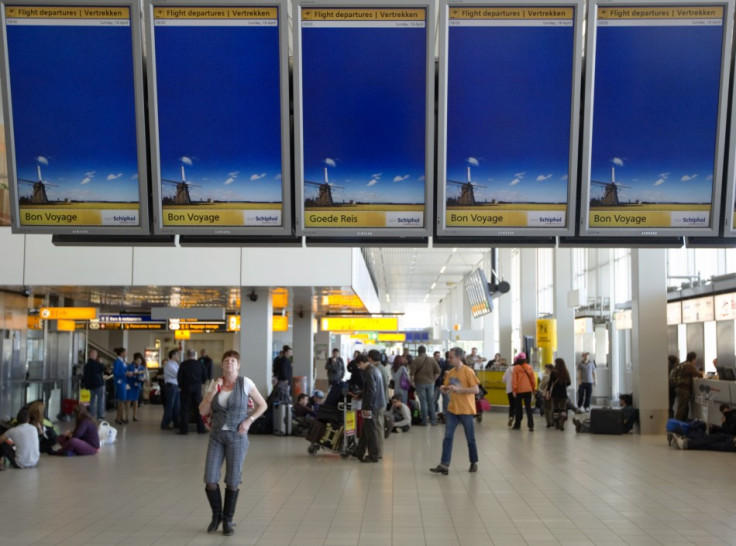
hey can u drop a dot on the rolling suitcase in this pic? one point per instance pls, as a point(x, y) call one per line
point(606, 421)
point(282, 419)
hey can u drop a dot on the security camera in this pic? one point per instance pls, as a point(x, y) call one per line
point(253, 296)
point(26, 292)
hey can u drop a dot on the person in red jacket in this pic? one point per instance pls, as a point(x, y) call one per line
point(523, 384)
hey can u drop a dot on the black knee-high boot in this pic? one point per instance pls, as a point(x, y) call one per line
point(215, 498)
point(231, 500)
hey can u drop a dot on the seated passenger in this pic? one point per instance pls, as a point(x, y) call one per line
point(720, 441)
point(401, 414)
point(317, 398)
point(301, 409)
point(628, 414)
point(84, 439)
point(46, 434)
point(20, 443)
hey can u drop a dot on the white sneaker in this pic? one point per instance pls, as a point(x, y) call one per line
point(680, 442)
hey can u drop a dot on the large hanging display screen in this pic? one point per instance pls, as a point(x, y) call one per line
point(73, 97)
point(508, 117)
point(655, 117)
point(218, 86)
point(364, 84)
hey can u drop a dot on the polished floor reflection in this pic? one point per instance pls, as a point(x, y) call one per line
point(545, 487)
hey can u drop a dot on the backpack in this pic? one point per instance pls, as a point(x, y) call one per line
point(676, 376)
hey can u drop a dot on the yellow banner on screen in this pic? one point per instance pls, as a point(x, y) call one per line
point(345, 219)
point(215, 13)
point(50, 12)
point(511, 13)
point(188, 217)
point(664, 12)
point(362, 14)
point(503, 218)
point(56, 217)
point(638, 219)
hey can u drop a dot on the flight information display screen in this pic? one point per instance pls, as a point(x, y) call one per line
point(221, 131)
point(509, 88)
point(655, 123)
point(363, 120)
point(75, 126)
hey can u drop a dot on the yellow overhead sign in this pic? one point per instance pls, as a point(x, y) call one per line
point(360, 324)
point(391, 337)
point(65, 325)
point(182, 334)
point(280, 323)
point(68, 313)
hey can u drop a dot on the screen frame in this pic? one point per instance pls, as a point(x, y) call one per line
point(140, 122)
point(286, 228)
point(367, 233)
point(720, 136)
point(442, 124)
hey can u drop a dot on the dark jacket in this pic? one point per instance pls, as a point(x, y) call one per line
point(92, 375)
point(558, 388)
point(283, 368)
point(191, 375)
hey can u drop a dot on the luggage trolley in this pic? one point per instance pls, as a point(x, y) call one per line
point(335, 430)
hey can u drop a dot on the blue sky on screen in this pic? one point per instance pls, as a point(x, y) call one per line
point(656, 111)
point(364, 112)
point(219, 111)
point(508, 112)
point(74, 110)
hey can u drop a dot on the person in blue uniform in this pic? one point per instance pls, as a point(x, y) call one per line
point(120, 374)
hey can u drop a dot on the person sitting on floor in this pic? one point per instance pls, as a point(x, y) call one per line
point(20, 444)
point(84, 439)
point(628, 414)
point(719, 441)
point(401, 414)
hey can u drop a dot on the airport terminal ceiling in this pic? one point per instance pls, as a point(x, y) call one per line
point(402, 276)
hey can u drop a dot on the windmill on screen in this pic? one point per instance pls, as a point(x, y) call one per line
point(467, 190)
point(324, 196)
point(182, 196)
point(610, 192)
point(38, 190)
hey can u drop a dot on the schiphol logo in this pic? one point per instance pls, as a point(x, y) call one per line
point(690, 218)
point(404, 219)
point(546, 218)
point(120, 218)
point(263, 218)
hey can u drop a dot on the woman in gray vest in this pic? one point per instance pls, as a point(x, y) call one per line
point(226, 406)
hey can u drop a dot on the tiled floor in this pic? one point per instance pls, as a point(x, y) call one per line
point(544, 487)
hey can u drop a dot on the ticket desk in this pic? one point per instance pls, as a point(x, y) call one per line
point(492, 381)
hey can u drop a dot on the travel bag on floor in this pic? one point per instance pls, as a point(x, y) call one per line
point(282, 419)
point(606, 421)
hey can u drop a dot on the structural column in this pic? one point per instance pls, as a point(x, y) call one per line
point(256, 336)
point(503, 306)
point(564, 314)
point(303, 335)
point(528, 296)
point(649, 338)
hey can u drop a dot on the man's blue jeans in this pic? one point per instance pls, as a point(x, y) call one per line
point(97, 402)
point(425, 393)
point(451, 422)
point(172, 407)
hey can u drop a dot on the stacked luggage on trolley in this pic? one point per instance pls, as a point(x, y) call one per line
point(334, 430)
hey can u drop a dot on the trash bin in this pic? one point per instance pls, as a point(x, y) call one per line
point(298, 386)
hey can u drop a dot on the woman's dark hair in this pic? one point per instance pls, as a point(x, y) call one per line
point(399, 361)
point(562, 374)
point(627, 399)
point(119, 351)
point(81, 413)
point(138, 355)
point(231, 354)
point(672, 360)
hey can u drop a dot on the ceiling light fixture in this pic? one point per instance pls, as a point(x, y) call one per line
point(443, 269)
point(433, 285)
point(388, 298)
